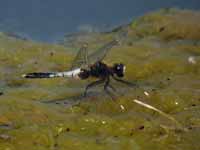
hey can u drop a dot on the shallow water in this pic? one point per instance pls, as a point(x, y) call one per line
point(50, 20)
point(52, 114)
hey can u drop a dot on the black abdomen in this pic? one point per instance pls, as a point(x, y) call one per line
point(38, 75)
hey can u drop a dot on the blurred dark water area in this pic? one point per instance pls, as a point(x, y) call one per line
point(50, 20)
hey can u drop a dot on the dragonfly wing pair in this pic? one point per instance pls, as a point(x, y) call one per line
point(82, 60)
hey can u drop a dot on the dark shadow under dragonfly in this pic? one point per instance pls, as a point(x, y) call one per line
point(85, 66)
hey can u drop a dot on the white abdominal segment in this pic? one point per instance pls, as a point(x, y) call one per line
point(124, 69)
point(69, 74)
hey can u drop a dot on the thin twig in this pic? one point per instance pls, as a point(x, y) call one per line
point(160, 112)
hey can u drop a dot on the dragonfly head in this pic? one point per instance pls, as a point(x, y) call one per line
point(119, 69)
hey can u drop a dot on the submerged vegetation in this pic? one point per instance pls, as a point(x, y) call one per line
point(162, 55)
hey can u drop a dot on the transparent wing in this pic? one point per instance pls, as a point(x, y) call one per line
point(100, 54)
point(81, 59)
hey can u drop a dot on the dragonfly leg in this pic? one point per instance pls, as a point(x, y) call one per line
point(110, 86)
point(106, 85)
point(125, 82)
point(95, 83)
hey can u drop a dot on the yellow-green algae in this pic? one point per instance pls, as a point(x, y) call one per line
point(162, 54)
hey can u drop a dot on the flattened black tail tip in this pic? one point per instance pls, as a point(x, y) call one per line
point(37, 75)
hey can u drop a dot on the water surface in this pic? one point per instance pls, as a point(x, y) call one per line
point(50, 20)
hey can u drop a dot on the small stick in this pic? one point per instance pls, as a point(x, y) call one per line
point(159, 111)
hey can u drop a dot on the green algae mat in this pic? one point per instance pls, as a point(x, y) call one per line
point(162, 55)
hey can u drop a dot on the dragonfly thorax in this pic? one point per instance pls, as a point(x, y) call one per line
point(101, 70)
point(97, 70)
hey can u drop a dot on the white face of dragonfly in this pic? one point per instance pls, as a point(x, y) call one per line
point(124, 69)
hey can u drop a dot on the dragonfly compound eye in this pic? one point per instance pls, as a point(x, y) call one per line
point(119, 69)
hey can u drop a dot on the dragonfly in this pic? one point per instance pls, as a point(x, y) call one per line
point(85, 66)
